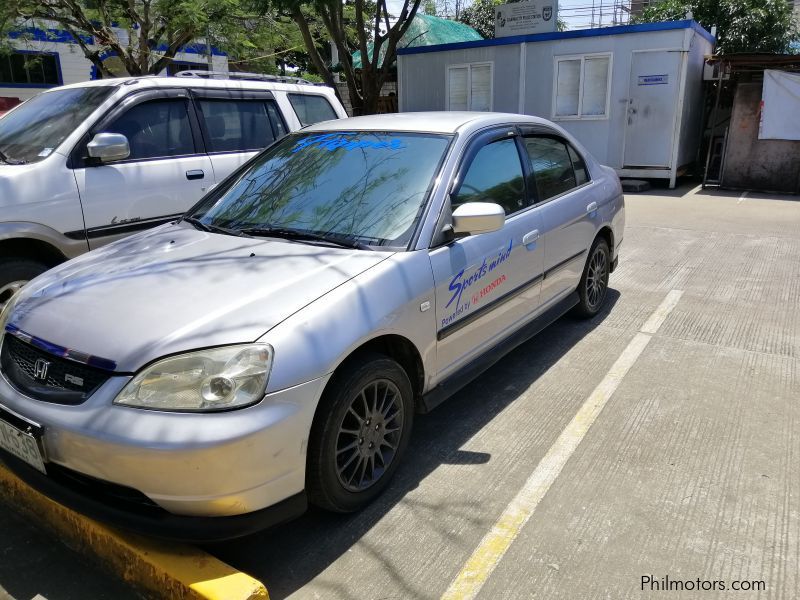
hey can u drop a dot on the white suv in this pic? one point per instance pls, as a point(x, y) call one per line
point(85, 164)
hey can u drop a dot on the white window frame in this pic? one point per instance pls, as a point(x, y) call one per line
point(580, 116)
point(469, 67)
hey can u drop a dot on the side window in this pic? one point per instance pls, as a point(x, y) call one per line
point(311, 108)
point(551, 166)
point(276, 118)
point(581, 174)
point(236, 125)
point(156, 129)
point(495, 175)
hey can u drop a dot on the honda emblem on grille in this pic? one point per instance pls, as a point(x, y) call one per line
point(40, 369)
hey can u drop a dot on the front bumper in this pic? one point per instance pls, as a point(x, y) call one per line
point(225, 466)
point(80, 495)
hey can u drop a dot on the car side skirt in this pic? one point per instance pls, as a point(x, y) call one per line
point(471, 371)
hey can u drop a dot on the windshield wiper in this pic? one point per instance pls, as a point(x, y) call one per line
point(296, 234)
point(211, 228)
point(10, 161)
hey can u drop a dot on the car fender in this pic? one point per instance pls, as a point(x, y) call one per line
point(394, 297)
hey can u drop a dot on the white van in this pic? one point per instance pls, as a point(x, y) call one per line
point(85, 164)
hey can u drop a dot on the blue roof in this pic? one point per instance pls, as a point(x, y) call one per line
point(565, 35)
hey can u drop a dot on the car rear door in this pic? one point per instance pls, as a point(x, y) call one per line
point(487, 285)
point(166, 172)
point(569, 215)
point(236, 125)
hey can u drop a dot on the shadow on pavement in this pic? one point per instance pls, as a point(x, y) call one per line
point(287, 557)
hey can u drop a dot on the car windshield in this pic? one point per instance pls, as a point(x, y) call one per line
point(32, 131)
point(365, 187)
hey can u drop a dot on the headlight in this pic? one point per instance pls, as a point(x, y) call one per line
point(203, 381)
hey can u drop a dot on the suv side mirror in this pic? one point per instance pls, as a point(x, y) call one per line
point(478, 217)
point(108, 147)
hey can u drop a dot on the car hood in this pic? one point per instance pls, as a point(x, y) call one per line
point(175, 289)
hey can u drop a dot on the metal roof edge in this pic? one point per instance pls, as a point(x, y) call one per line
point(564, 35)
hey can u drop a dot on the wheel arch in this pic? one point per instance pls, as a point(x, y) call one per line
point(397, 347)
point(607, 234)
point(31, 248)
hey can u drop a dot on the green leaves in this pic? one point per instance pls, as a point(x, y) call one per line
point(742, 25)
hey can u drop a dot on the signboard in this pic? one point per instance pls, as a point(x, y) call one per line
point(523, 18)
point(653, 79)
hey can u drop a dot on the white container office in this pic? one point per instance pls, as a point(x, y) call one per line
point(631, 94)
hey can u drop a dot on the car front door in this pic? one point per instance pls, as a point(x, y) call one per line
point(166, 172)
point(569, 216)
point(237, 124)
point(487, 284)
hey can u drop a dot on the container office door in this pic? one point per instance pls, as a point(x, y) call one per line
point(652, 107)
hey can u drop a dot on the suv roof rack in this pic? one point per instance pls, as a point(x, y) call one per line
point(244, 76)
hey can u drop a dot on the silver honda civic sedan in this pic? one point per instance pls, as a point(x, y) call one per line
point(212, 376)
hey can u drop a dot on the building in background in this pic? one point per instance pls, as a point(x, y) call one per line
point(45, 58)
point(633, 94)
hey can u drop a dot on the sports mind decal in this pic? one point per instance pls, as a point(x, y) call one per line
point(479, 283)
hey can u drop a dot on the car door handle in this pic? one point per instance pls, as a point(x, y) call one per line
point(530, 237)
point(591, 207)
point(195, 174)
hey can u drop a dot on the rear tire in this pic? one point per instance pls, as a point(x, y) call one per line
point(359, 434)
point(15, 273)
point(593, 287)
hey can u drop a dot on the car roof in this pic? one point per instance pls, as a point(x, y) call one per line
point(432, 122)
point(150, 81)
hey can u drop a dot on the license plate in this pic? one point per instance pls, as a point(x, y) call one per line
point(22, 443)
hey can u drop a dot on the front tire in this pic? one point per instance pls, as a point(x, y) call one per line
point(359, 434)
point(15, 273)
point(593, 287)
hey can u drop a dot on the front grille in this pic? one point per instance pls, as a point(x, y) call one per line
point(65, 381)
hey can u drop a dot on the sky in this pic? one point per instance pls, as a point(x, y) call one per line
point(577, 13)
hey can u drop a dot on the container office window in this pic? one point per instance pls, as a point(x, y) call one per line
point(581, 86)
point(469, 87)
point(30, 69)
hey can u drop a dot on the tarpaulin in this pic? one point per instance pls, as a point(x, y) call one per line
point(780, 106)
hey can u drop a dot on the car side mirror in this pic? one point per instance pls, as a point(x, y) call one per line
point(108, 147)
point(478, 217)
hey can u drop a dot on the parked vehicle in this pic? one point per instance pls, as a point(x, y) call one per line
point(85, 164)
point(211, 376)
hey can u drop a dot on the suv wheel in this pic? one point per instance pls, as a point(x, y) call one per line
point(14, 273)
point(593, 287)
point(359, 434)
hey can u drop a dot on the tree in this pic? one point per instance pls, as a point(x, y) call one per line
point(354, 25)
point(143, 35)
point(480, 16)
point(742, 25)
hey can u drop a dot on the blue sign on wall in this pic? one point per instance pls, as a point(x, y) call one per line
point(653, 79)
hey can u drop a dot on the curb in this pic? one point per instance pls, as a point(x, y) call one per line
point(174, 571)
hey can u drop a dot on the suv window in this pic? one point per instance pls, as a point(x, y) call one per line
point(495, 175)
point(239, 125)
point(311, 108)
point(551, 165)
point(156, 129)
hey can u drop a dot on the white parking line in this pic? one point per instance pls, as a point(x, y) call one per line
point(496, 543)
point(742, 197)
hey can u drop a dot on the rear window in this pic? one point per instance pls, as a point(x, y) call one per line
point(311, 108)
point(239, 125)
